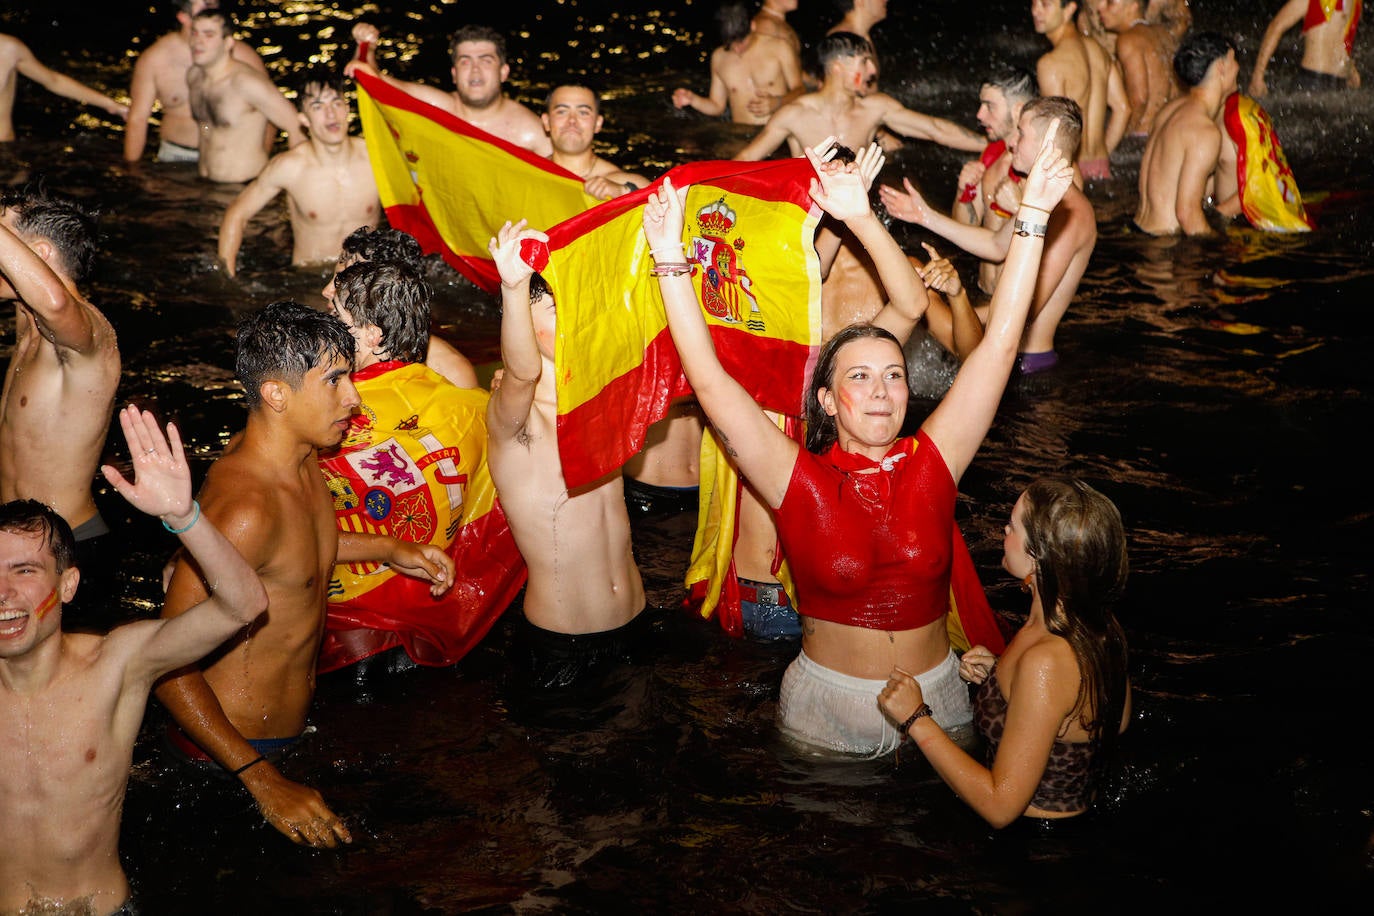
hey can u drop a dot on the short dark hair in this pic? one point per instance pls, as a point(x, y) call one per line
point(382, 244)
point(539, 288)
point(285, 340)
point(1047, 108)
point(226, 22)
point(821, 431)
point(68, 224)
point(1017, 84)
point(1198, 51)
point(312, 82)
point(29, 516)
point(734, 22)
point(839, 45)
point(477, 33)
point(393, 296)
point(596, 94)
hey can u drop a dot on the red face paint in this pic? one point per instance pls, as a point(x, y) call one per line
point(48, 605)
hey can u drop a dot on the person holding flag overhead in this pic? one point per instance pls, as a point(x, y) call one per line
point(866, 515)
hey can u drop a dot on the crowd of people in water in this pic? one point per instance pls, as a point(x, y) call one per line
point(845, 543)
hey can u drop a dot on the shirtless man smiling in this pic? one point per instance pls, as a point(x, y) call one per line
point(71, 703)
point(232, 103)
point(572, 121)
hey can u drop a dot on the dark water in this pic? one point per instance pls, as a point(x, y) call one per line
point(1217, 390)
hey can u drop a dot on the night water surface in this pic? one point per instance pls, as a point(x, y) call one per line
point(1217, 390)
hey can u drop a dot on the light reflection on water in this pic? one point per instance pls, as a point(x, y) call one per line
point(1213, 389)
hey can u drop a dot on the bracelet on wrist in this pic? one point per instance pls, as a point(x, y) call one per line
point(252, 763)
point(677, 251)
point(195, 517)
point(670, 269)
point(1028, 229)
point(1021, 207)
point(921, 712)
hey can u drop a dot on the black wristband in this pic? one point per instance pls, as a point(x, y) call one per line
point(254, 762)
point(921, 712)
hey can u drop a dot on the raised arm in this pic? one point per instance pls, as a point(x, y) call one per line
point(921, 126)
point(364, 61)
point(258, 194)
point(508, 411)
point(265, 95)
point(162, 487)
point(962, 418)
point(910, 206)
point(842, 192)
point(764, 453)
point(953, 322)
point(1289, 15)
point(60, 315)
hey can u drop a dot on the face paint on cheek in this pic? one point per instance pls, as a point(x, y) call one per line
point(47, 606)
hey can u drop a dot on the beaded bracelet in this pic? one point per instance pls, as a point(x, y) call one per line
point(670, 269)
point(189, 525)
point(921, 712)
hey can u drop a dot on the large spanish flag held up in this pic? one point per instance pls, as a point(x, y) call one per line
point(413, 465)
point(451, 184)
point(750, 237)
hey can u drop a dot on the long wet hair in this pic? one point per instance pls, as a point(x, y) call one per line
point(821, 430)
point(393, 296)
point(1076, 538)
point(284, 341)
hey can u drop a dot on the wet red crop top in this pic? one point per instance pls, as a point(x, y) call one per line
point(871, 550)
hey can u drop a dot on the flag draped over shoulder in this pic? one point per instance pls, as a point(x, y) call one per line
point(413, 465)
point(1269, 195)
point(452, 185)
point(750, 237)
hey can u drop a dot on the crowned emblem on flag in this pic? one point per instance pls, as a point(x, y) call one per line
point(723, 283)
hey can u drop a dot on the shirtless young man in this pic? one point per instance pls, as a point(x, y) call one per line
point(846, 109)
point(752, 73)
point(1328, 38)
point(584, 599)
point(1080, 69)
point(479, 70)
point(16, 58)
point(572, 120)
point(988, 195)
point(71, 704)
point(1174, 15)
point(328, 181)
point(1182, 152)
point(160, 77)
point(64, 368)
point(771, 19)
point(1069, 239)
point(368, 244)
point(1144, 51)
point(267, 495)
point(233, 104)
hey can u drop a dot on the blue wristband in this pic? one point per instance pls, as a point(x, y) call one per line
point(189, 525)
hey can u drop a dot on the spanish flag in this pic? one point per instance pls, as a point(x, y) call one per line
point(452, 185)
point(1269, 195)
point(1319, 12)
point(414, 466)
point(750, 241)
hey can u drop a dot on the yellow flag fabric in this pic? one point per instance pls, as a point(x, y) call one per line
point(1269, 195)
point(452, 185)
point(413, 465)
point(750, 240)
